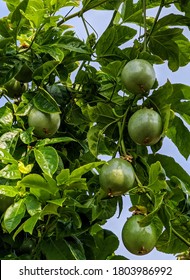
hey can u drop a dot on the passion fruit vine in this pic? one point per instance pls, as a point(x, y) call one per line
point(117, 177)
point(45, 125)
point(138, 240)
point(145, 127)
point(138, 76)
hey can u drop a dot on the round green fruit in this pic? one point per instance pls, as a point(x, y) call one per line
point(27, 246)
point(45, 125)
point(5, 202)
point(25, 74)
point(136, 239)
point(14, 88)
point(117, 177)
point(145, 127)
point(138, 76)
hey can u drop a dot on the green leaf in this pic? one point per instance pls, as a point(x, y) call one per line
point(43, 72)
point(127, 9)
point(37, 182)
point(157, 177)
point(73, 44)
point(17, 14)
point(45, 103)
point(162, 45)
point(78, 172)
point(113, 37)
point(27, 136)
point(14, 215)
point(47, 158)
point(6, 157)
point(171, 167)
point(171, 244)
point(93, 136)
point(8, 140)
point(63, 177)
point(4, 28)
point(6, 119)
point(34, 12)
point(180, 136)
point(52, 49)
point(50, 209)
point(8, 191)
point(33, 206)
point(105, 209)
point(10, 171)
point(56, 249)
point(172, 20)
point(76, 248)
point(106, 243)
point(55, 140)
point(30, 223)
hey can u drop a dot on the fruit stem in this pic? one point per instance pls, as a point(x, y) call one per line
point(81, 12)
point(121, 129)
point(181, 237)
point(156, 19)
point(145, 27)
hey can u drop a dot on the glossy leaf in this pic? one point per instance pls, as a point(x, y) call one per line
point(78, 172)
point(178, 131)
point(47, 158)
point(33, 206)
point(43, 72)
point(6, 119)
point(10, 171)
point(6, 157)
point(30, 223)
point(37, 182)
point(8, 140)
point(171, 167)
point(8, 191)
point(14, 215)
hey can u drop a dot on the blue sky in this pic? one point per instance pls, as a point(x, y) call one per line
point(181, 76)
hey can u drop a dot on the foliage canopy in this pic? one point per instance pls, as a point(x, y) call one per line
point(57, 201)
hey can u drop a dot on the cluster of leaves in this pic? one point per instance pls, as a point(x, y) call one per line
point(52, 184)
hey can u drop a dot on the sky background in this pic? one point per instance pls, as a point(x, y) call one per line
point(99, 20)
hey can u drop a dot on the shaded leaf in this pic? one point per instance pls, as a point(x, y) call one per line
point(45, 103)
point(171, 167)
point(180, 136)
point(43, 72)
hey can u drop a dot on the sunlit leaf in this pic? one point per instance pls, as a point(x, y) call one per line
point(14, 215)
point(47, 159)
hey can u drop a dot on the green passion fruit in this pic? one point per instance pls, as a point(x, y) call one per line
point(14, 88)
point(145, 127)
point(45, 124)
point(136, 239)
point(117, 177)
point(138, 76)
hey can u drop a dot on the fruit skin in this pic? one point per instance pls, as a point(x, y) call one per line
point(138, 76)
point(27, 246)
point(14, 88)
point(145, 127)
point(136, 239)
point(117, 177)
point(45, 125)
